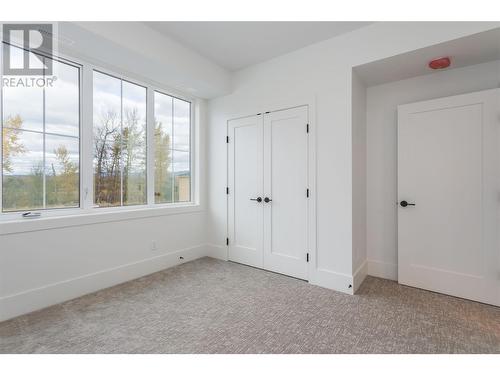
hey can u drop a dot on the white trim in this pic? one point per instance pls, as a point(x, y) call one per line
point(332, 280)
point(47, 295)
point(193, 153)
point(312, 170)
point(359, 276)
point(196, 144)
point(86, 139)
point(381, 269)
point(217, 252)
point(150, 145)
point(95, 217)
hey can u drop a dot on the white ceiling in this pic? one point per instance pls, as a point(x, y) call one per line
point(236, 45)
point(470, 50)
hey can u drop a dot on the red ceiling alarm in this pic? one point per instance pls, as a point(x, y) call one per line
point(441, 63)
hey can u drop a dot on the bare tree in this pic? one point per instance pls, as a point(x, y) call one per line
point(107, 140)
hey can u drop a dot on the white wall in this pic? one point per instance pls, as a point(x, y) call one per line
point(40, 268)
point(382, 102)
point(322, 71)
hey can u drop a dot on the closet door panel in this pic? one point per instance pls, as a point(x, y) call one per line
point(245, 183)
point(285, 185)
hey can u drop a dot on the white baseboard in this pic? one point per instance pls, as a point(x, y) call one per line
point(332, 280)
point(217, 251)
point(383, 269)
point(359, 275)
point(36, 299)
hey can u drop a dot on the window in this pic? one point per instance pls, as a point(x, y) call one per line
point(119, 141)
point(41, 141)
point(172, 149)
point(125, 158)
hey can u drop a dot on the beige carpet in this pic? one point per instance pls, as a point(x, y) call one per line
point(212, 306)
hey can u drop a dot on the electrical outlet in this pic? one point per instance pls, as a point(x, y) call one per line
point(153, 246)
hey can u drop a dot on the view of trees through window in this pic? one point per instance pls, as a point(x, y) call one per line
point(119, 142)
point(41, 142)
point(172, 149)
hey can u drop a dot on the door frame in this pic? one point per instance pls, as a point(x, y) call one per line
point(310, 102)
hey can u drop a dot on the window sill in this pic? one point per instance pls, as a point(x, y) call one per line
point(93, 216)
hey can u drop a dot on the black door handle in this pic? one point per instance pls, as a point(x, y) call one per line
point(267, 200)
point(258, 199)
point(405, 203)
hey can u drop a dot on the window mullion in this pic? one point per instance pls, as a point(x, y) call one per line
point(1, 126)
point(194, 172)
point(44, 177)
point(86, 132)
point(121, 143)
point(150, 144)
point(172, 154)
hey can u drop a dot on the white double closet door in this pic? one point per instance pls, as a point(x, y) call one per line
point(268, 191)
point(449, 194)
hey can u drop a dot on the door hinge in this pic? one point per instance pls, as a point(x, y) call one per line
point(307, 128)
point(227, 139)
point(227, 241)
point(307, 258)
point(227, 190)
point(307, 193)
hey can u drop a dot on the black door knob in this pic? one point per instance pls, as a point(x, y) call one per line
point(267, 200)
point(258, 199)
point(405, 203)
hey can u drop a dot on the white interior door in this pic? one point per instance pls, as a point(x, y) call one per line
point(245, 178)
point(448, 167)
point(268, 191)
point(285, 185)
